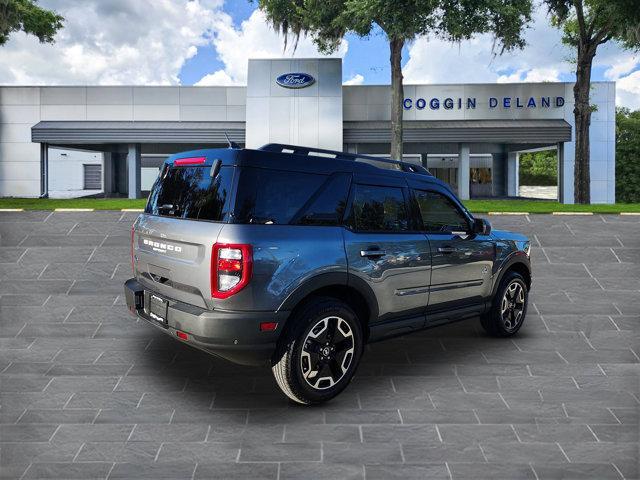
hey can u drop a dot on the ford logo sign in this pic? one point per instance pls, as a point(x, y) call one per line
point(295, 80)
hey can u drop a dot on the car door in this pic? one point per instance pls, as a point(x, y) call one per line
point(386, 250)
point(461, 260)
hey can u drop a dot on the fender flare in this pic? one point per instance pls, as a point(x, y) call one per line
point(332, 279)
point(517, 257)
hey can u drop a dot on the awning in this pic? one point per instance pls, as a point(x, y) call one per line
point(450, 131)
point(58, 132)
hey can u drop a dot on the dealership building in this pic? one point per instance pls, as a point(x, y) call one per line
point(83, 140)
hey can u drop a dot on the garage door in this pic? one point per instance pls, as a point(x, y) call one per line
point(92, 177)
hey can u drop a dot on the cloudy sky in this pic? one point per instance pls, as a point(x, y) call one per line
point(208, 42)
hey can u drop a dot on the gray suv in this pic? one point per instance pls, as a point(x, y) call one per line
point(297, 257)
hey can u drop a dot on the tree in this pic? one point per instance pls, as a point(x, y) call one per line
point(627, 156)
point(28, 17)
point(327, 21)
point(587, 24)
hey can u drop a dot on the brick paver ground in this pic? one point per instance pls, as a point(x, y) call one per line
point(86, 391)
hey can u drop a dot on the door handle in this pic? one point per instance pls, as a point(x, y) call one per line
point(446, 249)
point(374, 252)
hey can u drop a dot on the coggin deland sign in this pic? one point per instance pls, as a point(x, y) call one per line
point(469, 103)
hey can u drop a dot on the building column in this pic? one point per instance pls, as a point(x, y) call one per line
point(560, 157)
point(513, 162)
point(134, 171)
point(44, 170)
point(463, 170)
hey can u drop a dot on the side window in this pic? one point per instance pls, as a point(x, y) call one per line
point(379, 209)
point(326, 207)
point(439, 214)
point(268, 196)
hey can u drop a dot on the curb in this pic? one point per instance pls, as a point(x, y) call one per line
point(507, 213)
point(140, 210)
point(571, 213)
point(73, 209)
point(11, 209)
point(630, 213)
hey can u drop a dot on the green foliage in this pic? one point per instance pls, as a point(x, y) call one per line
point(27, 16)
point(597, 21)
point(539, 168)
point(327, 21)
point(627, 155)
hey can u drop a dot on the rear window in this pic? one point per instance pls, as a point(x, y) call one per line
point(281, 197)
point(190, 192)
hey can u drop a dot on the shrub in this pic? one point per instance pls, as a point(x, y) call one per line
point(627, 156)
point(539, 168)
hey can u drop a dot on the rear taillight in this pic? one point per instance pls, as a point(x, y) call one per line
point(132, 258)
point(231, 266)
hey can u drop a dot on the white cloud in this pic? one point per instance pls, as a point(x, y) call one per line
point(357, 79)
point(432, 60)
point(545, 58)
point(253, 39)
point(115, 42)
point(628, 91)
point(531, 75)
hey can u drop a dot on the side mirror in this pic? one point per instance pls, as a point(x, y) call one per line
point(481, 226)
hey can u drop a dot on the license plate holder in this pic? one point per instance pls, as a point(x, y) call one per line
point(158, 309)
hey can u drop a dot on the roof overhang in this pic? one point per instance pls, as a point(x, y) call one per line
point(450, 131)
point(69, 133)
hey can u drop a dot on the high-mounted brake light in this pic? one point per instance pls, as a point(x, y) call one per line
point(190, 161)
point(231, 268)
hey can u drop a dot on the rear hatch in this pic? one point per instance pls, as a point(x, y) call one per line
point(187, 208)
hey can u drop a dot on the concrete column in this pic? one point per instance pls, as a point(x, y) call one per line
point(463, 171)
point(561, 174)
point(44, 170)
point(107, 173)
point(134, 171)
point(513, 162)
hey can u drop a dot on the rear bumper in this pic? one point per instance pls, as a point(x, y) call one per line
point(235, 336)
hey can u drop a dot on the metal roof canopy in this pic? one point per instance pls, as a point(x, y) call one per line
point(89, 132)
point(454, 131)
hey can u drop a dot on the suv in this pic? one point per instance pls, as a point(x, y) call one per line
point(297, 257)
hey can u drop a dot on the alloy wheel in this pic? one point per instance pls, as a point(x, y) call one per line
point(512, 306)
point(327, 352)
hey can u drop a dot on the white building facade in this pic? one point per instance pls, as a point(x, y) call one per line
point(471, 135)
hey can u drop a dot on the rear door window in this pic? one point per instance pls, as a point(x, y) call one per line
point(379, 209)
point(273, 197)
point(189, 192)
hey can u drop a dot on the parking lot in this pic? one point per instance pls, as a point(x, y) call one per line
point(89, 392)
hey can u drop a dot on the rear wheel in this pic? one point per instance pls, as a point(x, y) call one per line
point(509, 307)
point(320, 352)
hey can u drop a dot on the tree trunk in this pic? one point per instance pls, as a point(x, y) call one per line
point(582, 114)
point(397, 97)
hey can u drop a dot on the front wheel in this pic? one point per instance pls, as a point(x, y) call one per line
point(509, 307)
point(320, 352)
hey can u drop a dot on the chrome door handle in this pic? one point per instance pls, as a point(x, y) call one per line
point(372, 253)
point(446, 249)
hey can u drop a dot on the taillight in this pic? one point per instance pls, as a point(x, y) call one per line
point(132, 263)
point(231, 266)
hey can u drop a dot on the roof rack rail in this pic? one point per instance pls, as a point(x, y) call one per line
point(298, 150)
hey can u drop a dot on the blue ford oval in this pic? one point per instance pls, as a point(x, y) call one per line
point(295, 80)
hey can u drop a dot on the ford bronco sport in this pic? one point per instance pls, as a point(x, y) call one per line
point(297, 257)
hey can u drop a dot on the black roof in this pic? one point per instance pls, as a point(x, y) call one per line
point(297, 158)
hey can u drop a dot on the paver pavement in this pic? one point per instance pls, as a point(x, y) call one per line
point(87, 391)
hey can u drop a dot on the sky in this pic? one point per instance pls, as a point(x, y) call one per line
point(208, 42)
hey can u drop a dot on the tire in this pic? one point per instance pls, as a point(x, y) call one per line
point(319, 352)
point(508, 308)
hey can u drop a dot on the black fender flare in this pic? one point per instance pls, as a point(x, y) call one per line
point(515, 258)
point(332, 279)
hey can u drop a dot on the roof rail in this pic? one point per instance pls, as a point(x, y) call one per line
point(298, 150)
